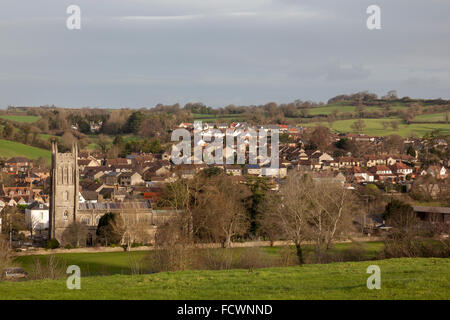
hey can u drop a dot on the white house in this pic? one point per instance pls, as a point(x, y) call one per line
point(37, 216)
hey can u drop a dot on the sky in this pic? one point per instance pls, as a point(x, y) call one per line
point(136, 53)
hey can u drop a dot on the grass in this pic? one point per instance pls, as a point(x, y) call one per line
point(430, 117)
point(108, 263)
point(219, 118)
point(419, 278)
point(24, 119)
point(10, 149)
point(374, 127)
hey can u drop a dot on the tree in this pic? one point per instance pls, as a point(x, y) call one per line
point(411, 151)
point(67, 140)
point(8, 131)
point(5, 255)
point(110, 229)
point(394, 125)
point(134, 122)
point(358, 125)
point(393, 144)
point(221, 213)
point(76, 234)
point(288, 211)
point(332, 215)
point(402, 240)
point(103, 143)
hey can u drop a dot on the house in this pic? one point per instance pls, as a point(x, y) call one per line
point(382, 173)
point(84, 163)
point(17, 164)
point(111, 178)
point(348, 162)
point(401, 169)
point(37, 217)
point(253, 169)
point(18, 191)
point(439, 172)
point(88, 197)
point(130, 179)
point(361, 174)
point(433, 214)
point(117, 161)
point(233, 169)
point(268, 171)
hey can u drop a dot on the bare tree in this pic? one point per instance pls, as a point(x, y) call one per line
point(331, 217)
point(221, 213)
point(5, 255)
point(289, 210)
point(76, 234)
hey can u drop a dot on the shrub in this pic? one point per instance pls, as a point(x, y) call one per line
point(52, 268)
point(52, 244)
point(5, 256)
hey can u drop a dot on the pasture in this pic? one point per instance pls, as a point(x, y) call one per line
point(10, 149)
point(405, 278)
point(20, 118)
point(374, 127)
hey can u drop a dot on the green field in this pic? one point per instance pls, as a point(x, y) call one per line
point(108, 263)
point(10, 149)
point(374, 127)
point(419, 278)
point(432, 117)
point(219, 118)
point(25, 119)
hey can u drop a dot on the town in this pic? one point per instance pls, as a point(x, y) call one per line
point(378, 169)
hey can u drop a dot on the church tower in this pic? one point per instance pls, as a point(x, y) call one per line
point(65, 189)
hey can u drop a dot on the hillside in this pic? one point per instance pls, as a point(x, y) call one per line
point(10, 149)
point(420, 278)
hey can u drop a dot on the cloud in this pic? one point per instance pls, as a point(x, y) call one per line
point(161, 18)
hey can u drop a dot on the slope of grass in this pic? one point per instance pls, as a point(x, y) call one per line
point(12, 149)
point(431, 117)
point(26, 119)
point(419, 278)
point(374, 127)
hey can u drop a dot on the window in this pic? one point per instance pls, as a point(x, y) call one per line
point(85, 220)
point(66, 196)
point(66, 215)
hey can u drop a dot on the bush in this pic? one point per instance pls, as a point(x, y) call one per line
point(5, 256)
point(52, 244)
point(48, 268)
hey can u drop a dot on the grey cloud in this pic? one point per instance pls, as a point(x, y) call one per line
point(139, 53)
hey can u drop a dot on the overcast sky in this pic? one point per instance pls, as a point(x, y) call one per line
point(136, 53)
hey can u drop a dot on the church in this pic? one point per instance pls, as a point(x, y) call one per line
point(141, 220)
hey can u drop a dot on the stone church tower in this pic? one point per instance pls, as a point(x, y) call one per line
point(65, 189)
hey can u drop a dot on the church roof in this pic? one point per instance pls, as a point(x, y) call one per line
point(115, 205)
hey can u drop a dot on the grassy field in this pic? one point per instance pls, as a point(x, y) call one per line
point(374, 127)
point(219, 118)
point(25, 119)
point(11, 149)
point(419, 278)
point(431, 117)
point(108, 263)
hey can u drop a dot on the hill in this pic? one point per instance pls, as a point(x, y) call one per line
point(419, 278)
point(10, 149)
